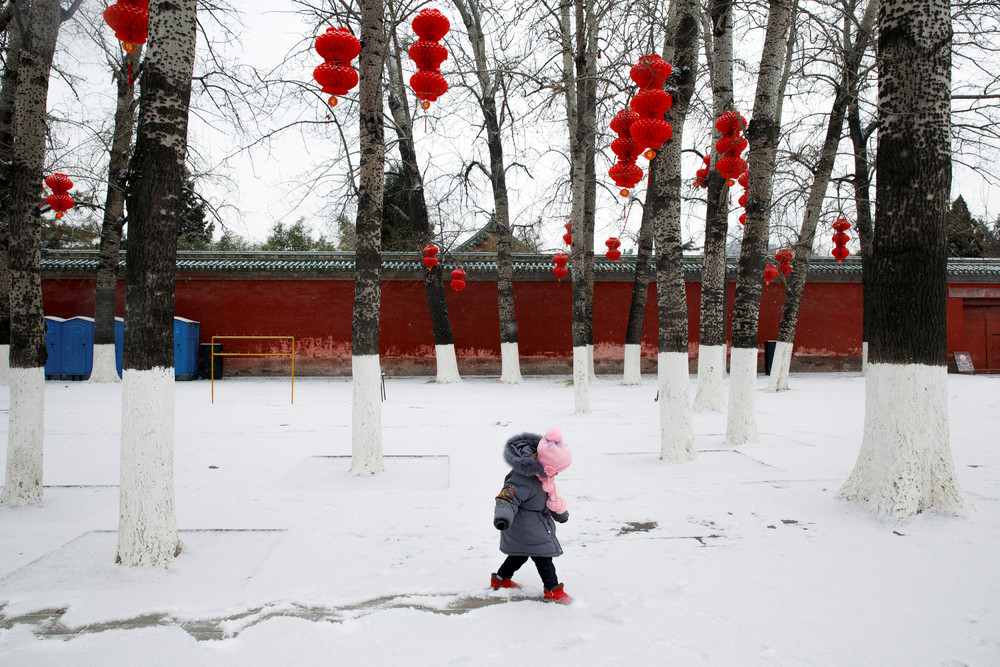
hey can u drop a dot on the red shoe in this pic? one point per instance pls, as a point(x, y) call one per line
point(557, 594)
point(496, 583)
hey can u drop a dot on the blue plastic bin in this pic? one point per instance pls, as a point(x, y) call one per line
point(77, 348)
point(119, 343)
point(186, 349)
point(53, 346)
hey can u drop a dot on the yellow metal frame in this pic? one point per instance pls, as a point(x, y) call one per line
point(253, 354)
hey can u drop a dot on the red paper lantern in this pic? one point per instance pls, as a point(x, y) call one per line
point(650, 71)
point(429, 260)
point(428, 85)
point(457, 279)
point(770, 273)
point(560, 269)
point(427, 54)
point(338, 45)
point(130, 21)
point(613, 253)
point(625, 175)
point(784, 256)
point(430, 25)
point(59, 183)
point(840, 239)
point(60, 202)
point(652, 133)
point(730, 123)
point(335, 79)
point(568, 236)
point(622, 122)
point(335, 75)
point(742, 201)
point(651, 101)
point(744, 178)
point(743, 218)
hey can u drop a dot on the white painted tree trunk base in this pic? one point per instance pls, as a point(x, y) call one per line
point(905, 464)
point(676, 427)
point(510, 363)
point(741, 422)
point(147, 525)
point(709, 395)
point(592, 374)
point(447, 365)
point(105, 366)
point(366, 425)
point(780, 365)
point(581, 381)
point(864, 357)
point(4, 364)
point(25, 436)
point(633, 365)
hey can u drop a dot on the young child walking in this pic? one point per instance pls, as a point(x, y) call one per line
point(528, 507)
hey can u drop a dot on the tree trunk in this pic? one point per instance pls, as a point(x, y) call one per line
point(814, 206)
point(366, 432)
point(905, 464)
point(444, 343)
point(147, 528)
point(105, 294)
point(762, 133)
point(709, 396)
point(8, 86)
point(862, 208)
point(676, 429)
point(486, 95)
point(583, 128)
point(640, 293)
point(27, 326)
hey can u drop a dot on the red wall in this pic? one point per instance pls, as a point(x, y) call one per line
point(317, 312)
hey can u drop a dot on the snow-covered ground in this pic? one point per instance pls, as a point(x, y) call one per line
point(744, 557)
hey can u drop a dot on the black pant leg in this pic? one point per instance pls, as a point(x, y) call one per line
point(547, 571)
point(510, 566)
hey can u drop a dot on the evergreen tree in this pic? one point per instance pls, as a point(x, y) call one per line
point(968, 236)
point(397, 232)
point(192, 232)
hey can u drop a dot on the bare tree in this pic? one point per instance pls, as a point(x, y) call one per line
point(38, 23)
point(579, 56)
point(905, 464)
point(854, 44)
point(366, 427)
point(8, 85)
point(147, 527)
point(676, 428)
point(712, 323)
point(444, 342)
point(762, 133)
point(490, 84)
point(105, 367)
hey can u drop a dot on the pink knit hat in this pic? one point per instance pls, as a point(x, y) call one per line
point(553, 453)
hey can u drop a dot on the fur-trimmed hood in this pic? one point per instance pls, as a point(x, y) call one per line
point(519, 453)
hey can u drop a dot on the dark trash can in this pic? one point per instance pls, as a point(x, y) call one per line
point(769, 346)
point(204, 368)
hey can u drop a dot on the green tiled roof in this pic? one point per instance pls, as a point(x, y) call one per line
point(85, 261)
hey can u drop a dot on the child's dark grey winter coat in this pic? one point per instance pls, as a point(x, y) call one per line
point(531, 530)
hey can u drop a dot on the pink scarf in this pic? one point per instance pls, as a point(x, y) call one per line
point(555, 502)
